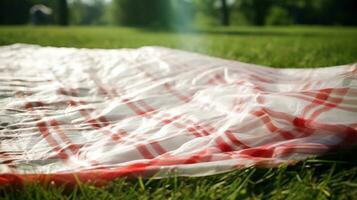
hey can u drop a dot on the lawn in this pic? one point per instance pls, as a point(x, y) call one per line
point(330, 177)
point(278, 47)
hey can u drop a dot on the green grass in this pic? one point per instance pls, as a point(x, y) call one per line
point(333, 177)
point(279, 47)
point(328, 177)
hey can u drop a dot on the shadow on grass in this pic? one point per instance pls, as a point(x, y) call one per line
point(347, 155)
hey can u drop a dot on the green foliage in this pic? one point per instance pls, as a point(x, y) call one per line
point(278, 16)
point(225, 14)
point(88, 13)
point(206, 13)
point(298, 11)
point(142, 13)
point(17, 11)
point(61, 12)
point(156, 13)
point(14, 11)
point(181, 13)
point(255, 10)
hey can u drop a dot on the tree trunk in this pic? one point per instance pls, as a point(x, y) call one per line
point(225, 13)
point(62, 12)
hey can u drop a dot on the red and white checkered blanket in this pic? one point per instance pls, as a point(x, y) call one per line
point(71, 114)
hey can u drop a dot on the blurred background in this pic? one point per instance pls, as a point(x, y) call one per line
point(279, 33)
point(183, 14)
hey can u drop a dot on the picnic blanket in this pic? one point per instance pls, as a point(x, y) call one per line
point(69, 114)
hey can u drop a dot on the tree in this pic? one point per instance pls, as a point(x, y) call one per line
point(158, 13)
point(255, 10)
point(87, 12)
point(225, 13)
point(139, 12)
point(14, 11)
point(215, 9)
point(62, 12)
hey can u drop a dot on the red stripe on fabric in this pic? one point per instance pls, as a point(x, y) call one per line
point(309, 125)
point(258, 152)
point(268, 123)
point(328, 106)
point(266, 120)
point(158, 148)
point(204, 131)
point(190, 129)
point(34, 104)
point(109, 91)
point(67, 92)
point(93, 122)
point(193, 128)
point(169, 88)
point(296, 121)
point(133, 107)
point(62, 91)
point(144, 151)
point(222, 145)
point(96, 176)
point(73, 92)
point(104, 121)
point(299, 122)
point(320, 98)
point(118, 136)
point(146, 106)
point(86, 115)
point(170, 120)
point(260, 78)
point(308, 99)
point(193, 131)
point(233, 139)
point(217, 79)
point(7, 159)
point(73, 147)
point(200, 128)
point(42, 127)
point(99, 84)
point(203, 156)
